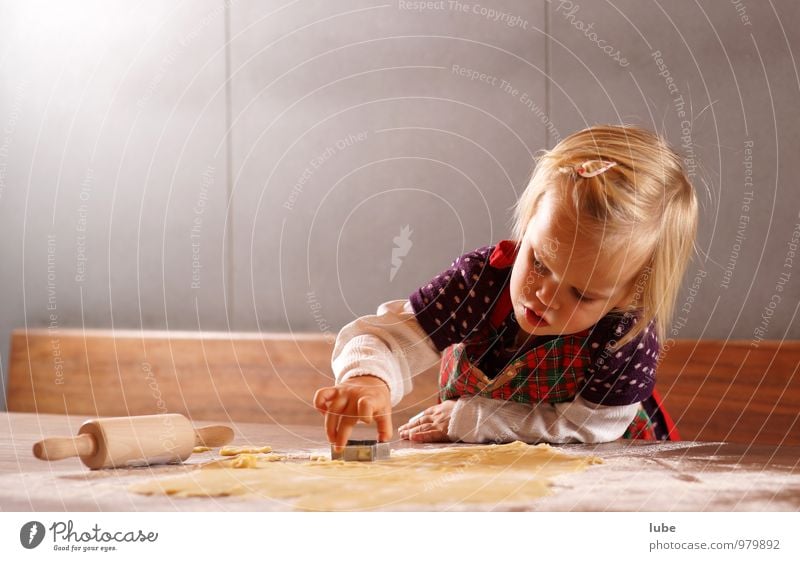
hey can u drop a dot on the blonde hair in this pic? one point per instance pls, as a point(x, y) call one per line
point(647, 189)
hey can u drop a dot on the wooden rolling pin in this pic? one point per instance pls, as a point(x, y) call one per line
point(133, 441)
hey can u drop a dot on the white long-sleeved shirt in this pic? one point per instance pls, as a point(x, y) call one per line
point(392, 346)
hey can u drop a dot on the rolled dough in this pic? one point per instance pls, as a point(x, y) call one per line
point(465, 476)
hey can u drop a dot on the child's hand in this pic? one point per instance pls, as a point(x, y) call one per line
point(361, 398)
point(430, 425)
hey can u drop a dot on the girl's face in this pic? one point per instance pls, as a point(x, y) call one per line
point(562, 285)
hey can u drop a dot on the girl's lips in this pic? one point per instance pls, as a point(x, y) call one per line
point(534, 319)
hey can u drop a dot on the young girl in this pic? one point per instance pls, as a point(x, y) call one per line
point(552, 336)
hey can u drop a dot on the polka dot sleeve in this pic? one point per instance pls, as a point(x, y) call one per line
point(622, 376)
point(453, 304)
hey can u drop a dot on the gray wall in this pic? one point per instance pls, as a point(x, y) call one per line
point(248, 166)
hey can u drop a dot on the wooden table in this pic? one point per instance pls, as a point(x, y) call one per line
point(672, 476)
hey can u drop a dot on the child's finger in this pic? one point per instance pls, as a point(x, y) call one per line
point(331, 425)
point(343, 434)
point(428, 436)
point(336, 410)
point(322, 397)
point(418, 429)
point(384, 421)
point(365, 409)
point(415, 420)
point(409, 433)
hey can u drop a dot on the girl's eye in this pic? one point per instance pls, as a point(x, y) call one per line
point(581, 297)
point(538, 266)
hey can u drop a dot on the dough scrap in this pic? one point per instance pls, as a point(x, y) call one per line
point(457, 476)
point(199, 449)
point(273, 457)
point(244, 461)
point(234, 450)
point(240, 461)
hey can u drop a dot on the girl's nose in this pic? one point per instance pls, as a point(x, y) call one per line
point(548, 290)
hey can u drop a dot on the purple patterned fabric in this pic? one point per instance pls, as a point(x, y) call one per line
point(455, 307)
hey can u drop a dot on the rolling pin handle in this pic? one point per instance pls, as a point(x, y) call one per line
point(213, 436)
point(59, 448)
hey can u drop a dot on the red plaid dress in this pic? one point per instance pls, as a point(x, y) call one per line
point(551, 371)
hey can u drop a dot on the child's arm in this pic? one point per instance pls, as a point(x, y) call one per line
point(374, 360)
point(390, 345)
point(480, 419)
point(395, 345)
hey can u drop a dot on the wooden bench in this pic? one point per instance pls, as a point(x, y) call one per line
point(249, 377)
point(715, 390)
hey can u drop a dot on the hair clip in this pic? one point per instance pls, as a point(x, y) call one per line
point(582, 170)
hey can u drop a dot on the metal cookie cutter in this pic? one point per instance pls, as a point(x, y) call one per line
point(362, 451)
